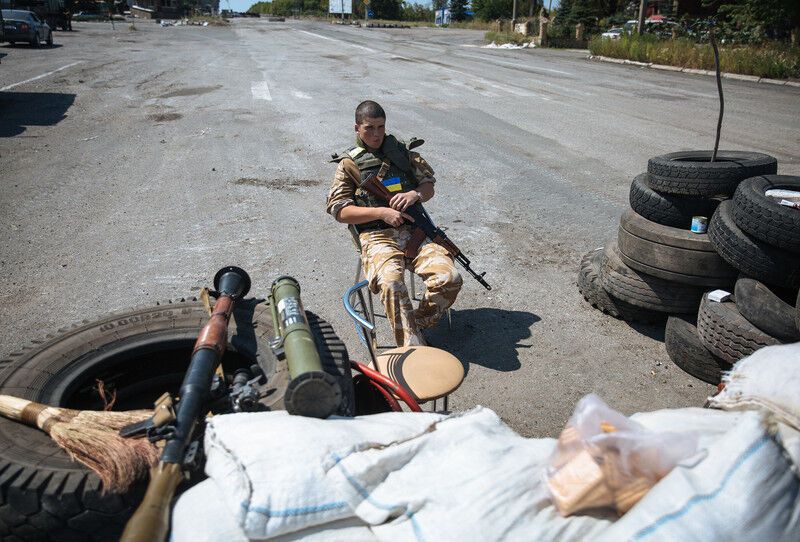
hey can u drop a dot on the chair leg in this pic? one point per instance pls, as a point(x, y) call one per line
point(446, 397)
point(371, 306)
point(358, 271)
point(449, 319)
point(413, 288)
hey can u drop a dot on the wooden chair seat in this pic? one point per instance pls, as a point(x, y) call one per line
point(428, 373)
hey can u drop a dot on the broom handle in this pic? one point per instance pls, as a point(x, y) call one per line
point(33, 414)
point(150, 522)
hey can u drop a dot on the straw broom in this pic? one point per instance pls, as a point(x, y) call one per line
point(91, 438)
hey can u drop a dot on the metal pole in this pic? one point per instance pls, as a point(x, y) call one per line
point(514, 16)
point(640, 25)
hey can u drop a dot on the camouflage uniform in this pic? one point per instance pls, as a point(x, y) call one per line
point(382, 255)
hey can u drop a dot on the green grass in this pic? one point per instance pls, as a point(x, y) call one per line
point(775, 61)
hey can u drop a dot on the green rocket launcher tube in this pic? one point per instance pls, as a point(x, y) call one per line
point(311, 391)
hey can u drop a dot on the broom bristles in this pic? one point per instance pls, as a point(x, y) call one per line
point(91, 438)
point(117, 461)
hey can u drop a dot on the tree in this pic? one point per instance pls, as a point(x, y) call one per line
point(489, 10)
point(410, 11)
point(458, 10)
point(386, 9)
point(776, 19)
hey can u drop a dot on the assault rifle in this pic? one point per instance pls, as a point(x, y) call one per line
point(372, 184)
point(310, 392)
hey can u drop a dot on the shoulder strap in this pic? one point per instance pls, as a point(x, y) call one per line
point(352, 152)
point(396, 152)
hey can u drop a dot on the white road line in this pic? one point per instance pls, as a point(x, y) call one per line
point(340, 41)
point(9, 87)
point(461, 84)
point(485, 58)
point(260, 91)
point(300, 95)
point(499, 86)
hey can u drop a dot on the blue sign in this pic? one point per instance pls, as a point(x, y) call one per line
point(370, 13)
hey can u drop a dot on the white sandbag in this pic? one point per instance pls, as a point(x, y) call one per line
point(268, 465)
point(201, 516)
point(768, 379)
point(470, 478)
point(740, 488)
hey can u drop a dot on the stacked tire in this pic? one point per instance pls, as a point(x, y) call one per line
point(657, 268)
point(759, 237)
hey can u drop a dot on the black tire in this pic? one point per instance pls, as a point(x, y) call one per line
point(643, 290)
point(141, 352)
point(693, 173)
point(687, 352)
point(797, 311)
point(667, 209)
point(671, 253)
point(765, 310)
point(726, 333)
point(593, 292)
point(752, 257)
point(35, 42)
point(764, 218)
point(50, 39)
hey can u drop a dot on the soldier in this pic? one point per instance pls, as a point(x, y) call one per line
point(384, 231)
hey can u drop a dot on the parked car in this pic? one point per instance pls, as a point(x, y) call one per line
point(89, 16)
point(613, 33)
point(19, 25)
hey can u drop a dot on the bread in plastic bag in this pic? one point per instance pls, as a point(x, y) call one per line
point(605, 460)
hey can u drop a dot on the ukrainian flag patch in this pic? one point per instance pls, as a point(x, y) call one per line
point(393, 184)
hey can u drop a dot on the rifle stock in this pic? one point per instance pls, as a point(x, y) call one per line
point(422, 220)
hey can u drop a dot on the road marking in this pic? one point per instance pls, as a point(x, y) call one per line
point(260, 91)
point(484, 58)
point(498, 86)
point(467, 86)
point(9, 87)
point(300, 95)
point(340, 41)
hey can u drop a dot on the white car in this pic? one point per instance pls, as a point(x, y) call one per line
point(613, 34)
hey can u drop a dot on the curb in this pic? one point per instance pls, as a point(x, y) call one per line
point(736, 76)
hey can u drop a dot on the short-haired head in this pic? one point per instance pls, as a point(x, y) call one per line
point(369, 109)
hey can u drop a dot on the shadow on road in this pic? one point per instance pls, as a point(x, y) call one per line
point(487, 337)
point(18, 110)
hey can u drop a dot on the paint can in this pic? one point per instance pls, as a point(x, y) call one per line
point(699, 224)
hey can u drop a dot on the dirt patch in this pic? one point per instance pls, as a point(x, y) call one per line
point(191, 91)
point(290, 185)
point(164, 117)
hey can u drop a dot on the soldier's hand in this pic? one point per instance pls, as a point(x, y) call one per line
point(404, 200)
point(395, 218)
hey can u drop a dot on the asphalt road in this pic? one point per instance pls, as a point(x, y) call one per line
point(134, 163)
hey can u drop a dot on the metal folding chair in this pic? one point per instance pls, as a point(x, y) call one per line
point(414, 374)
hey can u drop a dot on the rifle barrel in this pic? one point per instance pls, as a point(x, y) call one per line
point(150, 522)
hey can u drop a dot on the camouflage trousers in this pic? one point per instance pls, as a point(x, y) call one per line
point(384, 266)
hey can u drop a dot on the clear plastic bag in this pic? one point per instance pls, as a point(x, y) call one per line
point(604, 460)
